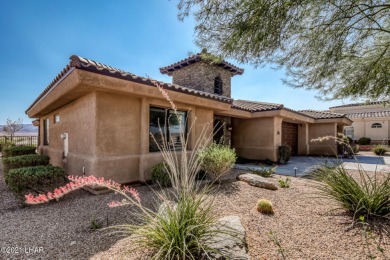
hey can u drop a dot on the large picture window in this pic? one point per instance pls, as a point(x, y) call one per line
point(46, 131)
point(163, 123)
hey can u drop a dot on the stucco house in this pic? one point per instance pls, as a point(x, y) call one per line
point(95, 119)
point(369, 119)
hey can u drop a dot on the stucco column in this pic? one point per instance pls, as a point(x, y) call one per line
point(144, 131)
point(277, 136)
point(303, 139)
point(191, 121)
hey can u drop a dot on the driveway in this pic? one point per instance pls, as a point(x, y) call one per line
point(302, 165)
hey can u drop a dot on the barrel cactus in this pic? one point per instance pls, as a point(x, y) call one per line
point(264, 206)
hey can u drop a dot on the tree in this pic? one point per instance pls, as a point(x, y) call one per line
point(339, 47)
point(13, 126)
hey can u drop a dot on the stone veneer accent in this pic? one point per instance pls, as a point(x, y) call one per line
point(201, 76)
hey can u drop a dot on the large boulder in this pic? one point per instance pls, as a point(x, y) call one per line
point(257, 181)
point(231, 244)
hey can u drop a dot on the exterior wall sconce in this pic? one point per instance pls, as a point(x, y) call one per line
point(278, 132)
point(229, 128)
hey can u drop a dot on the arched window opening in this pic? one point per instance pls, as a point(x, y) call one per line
point(376, 125)
point(218, 86)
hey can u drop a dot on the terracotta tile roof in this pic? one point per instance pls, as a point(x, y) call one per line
point(363, 104)
point(93, 66)
point(254, 106)
point(320, 114)
point(385, 113)
point(196, 58)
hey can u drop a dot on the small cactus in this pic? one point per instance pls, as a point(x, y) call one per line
point(264, 206)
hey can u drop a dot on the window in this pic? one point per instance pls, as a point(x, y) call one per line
point(56, 118)
point(170, 125)
point(46, 131)
point(218, 86)
point(349, 132)
point(376, 125)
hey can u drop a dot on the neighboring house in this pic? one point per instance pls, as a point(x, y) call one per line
point(96, 120)
point(370, 119)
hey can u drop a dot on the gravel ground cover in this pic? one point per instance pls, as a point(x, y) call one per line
point(306, 227)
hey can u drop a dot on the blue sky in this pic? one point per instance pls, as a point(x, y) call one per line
point(38, 37)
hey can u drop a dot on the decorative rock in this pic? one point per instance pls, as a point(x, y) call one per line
point(233, 245)
point(257, 181)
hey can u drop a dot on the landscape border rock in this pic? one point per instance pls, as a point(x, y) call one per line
point(232, 243)
point(257, 181)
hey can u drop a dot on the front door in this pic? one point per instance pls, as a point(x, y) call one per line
point(290, 136)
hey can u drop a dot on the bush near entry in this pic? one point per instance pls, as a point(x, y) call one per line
point(217, 159)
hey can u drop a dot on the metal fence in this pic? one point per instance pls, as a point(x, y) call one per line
point(20, 140)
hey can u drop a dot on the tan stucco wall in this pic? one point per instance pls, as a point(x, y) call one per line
point(256, 139)
point(108, 135)
point(362, 128)
point(303, 139)
point(328, 147)
point(78, 120)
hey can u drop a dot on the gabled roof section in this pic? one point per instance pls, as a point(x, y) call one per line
point(196, 58)
point(254, 106)
point(375, 114)
point(78, 62)
point(364, 104)
point(320, 114)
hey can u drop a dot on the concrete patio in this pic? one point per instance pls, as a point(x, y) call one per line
point(303, 165)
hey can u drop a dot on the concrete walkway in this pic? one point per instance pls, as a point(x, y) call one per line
point(302, 165)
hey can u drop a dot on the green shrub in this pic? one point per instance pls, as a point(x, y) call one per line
point(284, 183)
point(5, 144)
point(364, 196)
point(284, 153)
point(269, 162)
point(25, 161)
point(264, 172)
point(217, 159)
point(241, 160)
point(33, 177)
point(11, 151)
point(264, 206)
point(160, 174)
point(380, 149)
point(364, 141)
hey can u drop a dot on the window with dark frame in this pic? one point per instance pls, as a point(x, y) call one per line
point(218, 85)
point(376, 125)
point(163, 123)
point(46, 131)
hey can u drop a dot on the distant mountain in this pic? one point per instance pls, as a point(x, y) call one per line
point(28, 129)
